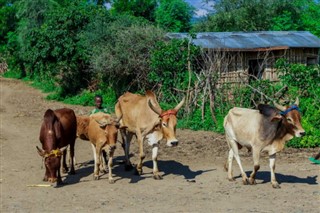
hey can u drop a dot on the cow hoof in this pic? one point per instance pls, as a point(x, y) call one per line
point(111, 181)
point(103, 171)
point(276, 185)
point(245, 181)
point(95, 177)
point(231, 179)
point(157, 177)
point(252, 181)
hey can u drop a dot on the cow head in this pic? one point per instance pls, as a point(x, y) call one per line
point(168, 122)
point(292, 118)
point(110, 125)
point(52, 161)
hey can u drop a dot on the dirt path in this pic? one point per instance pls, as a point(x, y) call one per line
point(193, 175)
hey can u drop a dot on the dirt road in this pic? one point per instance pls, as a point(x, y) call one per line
point(193, 176)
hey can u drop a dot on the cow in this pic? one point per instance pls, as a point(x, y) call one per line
point(266, 129)
point(144, 118)
point(58, 130)
point(101, 130)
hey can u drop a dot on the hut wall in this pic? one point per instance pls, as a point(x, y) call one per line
point(236, 65)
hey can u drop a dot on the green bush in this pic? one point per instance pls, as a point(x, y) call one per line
point(304, 82)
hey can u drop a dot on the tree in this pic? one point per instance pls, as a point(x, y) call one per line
point(297, 15)
point(174, 15)
point(262, 15)
point(121, 56)
point(7, 19)
point(138, 8)
point(238, 16)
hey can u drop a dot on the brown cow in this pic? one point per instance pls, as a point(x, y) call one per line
point(266, 129)
point(144, 118)
point(58, 130)
point(101, 130)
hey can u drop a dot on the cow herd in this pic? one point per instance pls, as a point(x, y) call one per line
point(264, 129)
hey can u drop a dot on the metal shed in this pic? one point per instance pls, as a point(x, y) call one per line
point(255, 53)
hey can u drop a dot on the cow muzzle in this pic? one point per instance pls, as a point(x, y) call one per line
point(52, 180)
point(173, 143)
point(300, 133)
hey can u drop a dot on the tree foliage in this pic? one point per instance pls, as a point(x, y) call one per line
point(174, 15)
point(259, 15)
point(122, 56)
point(305, 84)
point(138, 8)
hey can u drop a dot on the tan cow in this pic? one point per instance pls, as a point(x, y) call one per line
point(101, 130)
point(266, 129)
point(144, 118)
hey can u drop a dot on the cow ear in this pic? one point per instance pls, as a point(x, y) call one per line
point(103, 122)
point(41, 152)
point(267, 110)
point(276, 118)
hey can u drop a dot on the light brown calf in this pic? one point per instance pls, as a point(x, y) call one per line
point(101, 130)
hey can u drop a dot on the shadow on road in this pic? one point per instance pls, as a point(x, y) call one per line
point(176, 168)
point(281, 178)
point(170, 167)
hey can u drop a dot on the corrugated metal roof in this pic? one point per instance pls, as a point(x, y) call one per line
point(252, 40)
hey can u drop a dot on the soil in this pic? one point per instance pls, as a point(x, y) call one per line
point(194, 179)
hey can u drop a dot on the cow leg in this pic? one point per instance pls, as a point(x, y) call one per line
point(156, 174)
point(111, 153)
point(272, 163)
point(104, 161)
point(46, 175)
point(69, 157)
point(64, 162)
point(96, 157)
point(141, 154)
point(126, 138)
point(59, 179)
point(256, 167)
point(229, 167)
point(72, 158)
point(235, 152)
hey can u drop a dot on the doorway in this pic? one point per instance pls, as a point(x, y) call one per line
point(256, 69)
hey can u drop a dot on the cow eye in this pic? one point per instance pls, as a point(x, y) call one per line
point(289, 120)
point(164, 124)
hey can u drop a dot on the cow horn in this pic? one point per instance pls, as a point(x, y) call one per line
point(63, 148)
point(156, 110)
point(41, 152)
point(279, 107)
point(297, 101)
point(180, 104)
